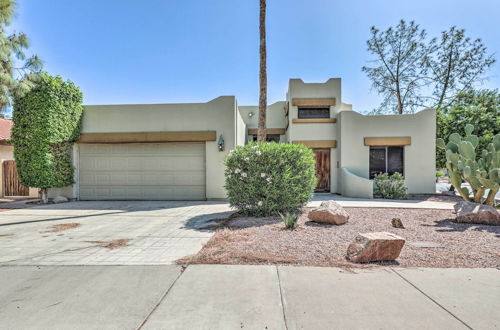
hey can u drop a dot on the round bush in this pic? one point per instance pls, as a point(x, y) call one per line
point(390, 186)
point(267, 178)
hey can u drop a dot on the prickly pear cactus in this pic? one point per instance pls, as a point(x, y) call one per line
point(481, 172)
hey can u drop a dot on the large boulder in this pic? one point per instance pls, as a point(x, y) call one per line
point(470, 212)
point(329, 212)
point(381, 246)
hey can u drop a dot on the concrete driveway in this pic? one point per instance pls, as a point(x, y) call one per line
point(153, 233)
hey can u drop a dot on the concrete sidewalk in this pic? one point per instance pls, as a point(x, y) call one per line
point(247, 297)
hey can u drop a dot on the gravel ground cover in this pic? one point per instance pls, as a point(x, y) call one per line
point(433, 239)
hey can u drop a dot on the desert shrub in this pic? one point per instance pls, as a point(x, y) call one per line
point(290, 220)
point(267, 178)
point(390, 186)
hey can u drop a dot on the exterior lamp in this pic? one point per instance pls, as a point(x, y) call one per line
point(221, 143)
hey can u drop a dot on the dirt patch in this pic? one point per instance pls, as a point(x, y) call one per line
point(62, 227)
point(113, 244)
point(266, 241)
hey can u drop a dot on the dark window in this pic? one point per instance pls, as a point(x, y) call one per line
point(269, 138)
point(305, 113)
point(377, 161)
point(386, 160)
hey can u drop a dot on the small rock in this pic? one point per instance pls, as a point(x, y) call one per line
point(470, 212)
point(59, 199)
point(381, 246)
point(397, 223)
point(329, 212)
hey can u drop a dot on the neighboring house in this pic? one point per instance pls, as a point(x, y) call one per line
point(9, 181)
point(176, 151)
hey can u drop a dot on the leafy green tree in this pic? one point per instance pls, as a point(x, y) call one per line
point(47, 121)
point(411, 71)
point(480, 108)
point(18, 72)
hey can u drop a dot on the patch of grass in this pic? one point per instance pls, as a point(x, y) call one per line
point(62, 227)
point(113, 244)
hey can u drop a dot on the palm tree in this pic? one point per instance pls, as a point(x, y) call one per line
point(261, 132)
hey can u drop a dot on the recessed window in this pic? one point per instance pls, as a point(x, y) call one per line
point(269, 138)
point(386, 160)
point(305, 113)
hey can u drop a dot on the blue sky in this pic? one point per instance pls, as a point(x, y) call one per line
point(162, 51)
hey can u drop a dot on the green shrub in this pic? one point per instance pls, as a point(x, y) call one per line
point(267, 178)
point(390, 186)
point(290, 220)
point(439, 174)
point(47, 121)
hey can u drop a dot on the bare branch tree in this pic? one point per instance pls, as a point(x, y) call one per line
point(458, 63)
point(398, 72)
point(412, 72)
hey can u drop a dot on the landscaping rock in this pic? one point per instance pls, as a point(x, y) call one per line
point(397, 223)
point(381, 246)
point(470, 212)
point(59, 199)
point(329, 212)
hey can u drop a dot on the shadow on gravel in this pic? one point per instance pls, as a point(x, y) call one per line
point(450, 225)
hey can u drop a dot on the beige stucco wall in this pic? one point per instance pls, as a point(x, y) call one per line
point(241, 128)
point(419, 157)
point(317, 131)
point(355, 186)
point(275, 117)
point(217, 115)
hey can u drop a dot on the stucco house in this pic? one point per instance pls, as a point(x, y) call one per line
point(176, 151)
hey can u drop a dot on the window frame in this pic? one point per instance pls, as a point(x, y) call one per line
point(328, 115)
point(278, 136)
point(386, 148)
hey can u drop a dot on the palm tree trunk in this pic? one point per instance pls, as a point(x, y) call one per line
point(261, 132)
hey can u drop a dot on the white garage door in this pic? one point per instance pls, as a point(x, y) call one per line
point(149, 171)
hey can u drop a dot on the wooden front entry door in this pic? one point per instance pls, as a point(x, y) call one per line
point(322, 157)
point(11, 184)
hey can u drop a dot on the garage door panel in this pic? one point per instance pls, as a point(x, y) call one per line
point(156, 171)
point(189, 179)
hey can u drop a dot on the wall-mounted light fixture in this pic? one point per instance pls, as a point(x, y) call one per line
point(221, 143)
point(250, 114)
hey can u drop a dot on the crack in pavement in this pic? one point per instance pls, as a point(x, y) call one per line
point(183, 269)
point(281, 296)
point(430, 298)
